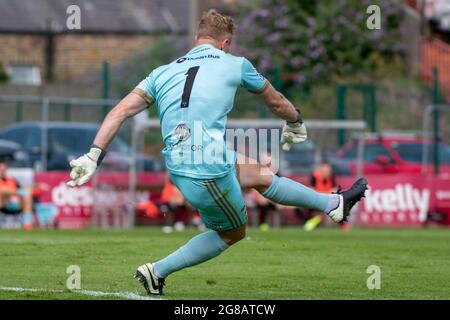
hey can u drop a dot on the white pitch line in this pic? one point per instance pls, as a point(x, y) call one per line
point(126, 295)
point(49, 242)
point(36, 241)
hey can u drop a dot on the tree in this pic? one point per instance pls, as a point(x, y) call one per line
point(314, 40)
point(3, 75)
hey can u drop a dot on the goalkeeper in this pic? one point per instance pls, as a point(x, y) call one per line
point(193, 96)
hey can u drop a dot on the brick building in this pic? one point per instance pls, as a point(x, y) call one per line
point(37, 47)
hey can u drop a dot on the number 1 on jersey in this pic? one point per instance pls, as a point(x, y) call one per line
point(191, 74)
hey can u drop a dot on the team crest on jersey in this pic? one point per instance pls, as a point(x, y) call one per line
point(182, 132)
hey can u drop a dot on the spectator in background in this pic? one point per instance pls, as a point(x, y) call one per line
point(323, 181)
point(172, 201)
point(45, 212)
point(263, 206)
point(13, 198)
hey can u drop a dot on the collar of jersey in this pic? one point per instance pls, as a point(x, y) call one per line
point(193, 50)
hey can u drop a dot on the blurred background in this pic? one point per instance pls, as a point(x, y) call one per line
point(374, 97)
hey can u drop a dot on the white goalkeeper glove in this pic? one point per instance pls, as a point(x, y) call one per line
point(293, 132)
point(84, 168)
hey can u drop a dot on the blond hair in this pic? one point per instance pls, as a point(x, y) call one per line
point(215, 25)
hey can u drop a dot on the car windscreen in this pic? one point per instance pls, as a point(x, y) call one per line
point(371, 152)
point(412, 152)
point(79, 140)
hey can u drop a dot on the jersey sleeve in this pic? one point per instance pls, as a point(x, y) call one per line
point(145, 89)
point(251, 79)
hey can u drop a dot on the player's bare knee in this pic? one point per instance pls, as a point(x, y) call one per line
point(233, 236)
point(264, 179)
point(236, 238)
point(240, 234)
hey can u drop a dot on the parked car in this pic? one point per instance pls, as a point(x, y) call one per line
point(14, 154)
point(302, 158)
point(67, 141)
point(390, 154)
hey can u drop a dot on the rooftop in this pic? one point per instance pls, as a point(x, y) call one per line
point(97, 16)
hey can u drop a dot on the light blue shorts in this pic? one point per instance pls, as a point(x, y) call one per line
point(12, 206)
point(219, 201)
point(46, 212)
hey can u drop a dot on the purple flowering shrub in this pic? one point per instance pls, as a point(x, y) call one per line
point(314, 40)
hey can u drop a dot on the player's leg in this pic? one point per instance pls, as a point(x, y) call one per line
point(230, 237)
point(27, 208)
point(222, 209)
point(289, 192)
point(280, 189)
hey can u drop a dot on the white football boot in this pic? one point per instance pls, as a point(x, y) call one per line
point(347, 199)
point(337, 215)
point(146, 276)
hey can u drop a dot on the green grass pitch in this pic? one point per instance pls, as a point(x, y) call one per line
point(278, 264)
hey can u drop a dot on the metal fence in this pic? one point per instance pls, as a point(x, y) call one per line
point(115, 196)
point(429, 112)
point(23, 105)
point(435, 57)
point(324, 133)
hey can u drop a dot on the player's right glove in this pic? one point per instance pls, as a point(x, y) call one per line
point(84, 168)
point(293, 132)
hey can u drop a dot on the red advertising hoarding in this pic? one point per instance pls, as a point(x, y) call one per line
point(392, 200)
point(403, 200)
point(108, 192)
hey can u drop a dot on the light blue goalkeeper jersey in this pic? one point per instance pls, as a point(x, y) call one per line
point(193, 96)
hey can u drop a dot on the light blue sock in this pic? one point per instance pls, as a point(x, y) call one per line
point(27, 218)
point(291, 193)
point(201, 248)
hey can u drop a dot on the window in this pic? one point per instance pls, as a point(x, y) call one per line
point(26, 74)
point(70, 139)
point(79, 140)
point(441, 14)
point(27, 137)
point(371, 151)
point(351, 153)
point(412, 152)
point(15, 134)
point(33, 139)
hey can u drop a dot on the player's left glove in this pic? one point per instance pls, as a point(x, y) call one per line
point(293, 132)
